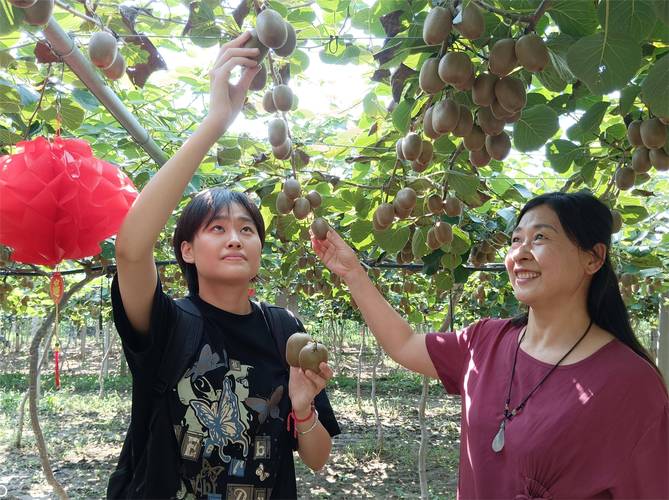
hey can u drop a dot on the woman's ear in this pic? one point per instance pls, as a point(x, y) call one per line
point(187, 252)
point(595, 258)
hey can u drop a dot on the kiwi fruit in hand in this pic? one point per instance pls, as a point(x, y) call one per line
point(312, 355)
point(271, 29)
point(294, 345)
point(320, 228)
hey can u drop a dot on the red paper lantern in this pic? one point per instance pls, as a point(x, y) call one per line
point(57, 201)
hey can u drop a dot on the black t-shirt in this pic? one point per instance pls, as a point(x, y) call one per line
point(228, 411)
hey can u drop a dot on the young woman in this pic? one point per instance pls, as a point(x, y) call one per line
point(231, 405)
point(561, 403)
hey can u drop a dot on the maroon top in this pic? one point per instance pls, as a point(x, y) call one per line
point(598, 428)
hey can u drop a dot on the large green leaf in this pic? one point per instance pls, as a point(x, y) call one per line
point(393, 240)
point(402, 116)
point(574, 17)
point(655, 86)
point(465, 185)
point(605, 61)
point(662, 11)
point(561, 154)
point(633, 17)
point(10, 17)
point(587, 127)
point(557, 74)
point(536, 125)
point(419, 246)
point(71, 114)
point(627, 97)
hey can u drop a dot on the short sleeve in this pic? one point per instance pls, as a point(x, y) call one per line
point(144, 351)
point(450, 352)
point(645, 472)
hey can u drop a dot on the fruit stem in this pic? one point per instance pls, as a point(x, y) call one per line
point(451, 163)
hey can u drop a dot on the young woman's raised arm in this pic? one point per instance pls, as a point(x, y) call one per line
point(141, 228)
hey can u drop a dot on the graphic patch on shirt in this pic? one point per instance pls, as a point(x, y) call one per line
point(266, 406)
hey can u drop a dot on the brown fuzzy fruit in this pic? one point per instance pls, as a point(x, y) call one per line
point(465, 122)
point(483, 91)
point(432, 240)
point(489, 124)
point(510, 93)
point(479, 158)
point(428, 79)
point(659, 159)
point(455, 68)
point(400, 212)
point(428, 129)
point(437, 25)
point(301, 208)
point(22, 4)
point(412, 145)
point(641, 160)
point(469, 22)
point(312, 355)
point(426, 153)
point(385, 214)
point(294, 345)
point(291, 41)
point(467, 84)
point(513, 118)
point(624, 178)
point(102, 49)
point(445, 116)
point(532, 53)
point(398, 150)
point(435, 204)
point(653, 133)
point(277, 132)
point(444, 233)
point(453, 206)
point(314, 198)
point(418, 166)
point(39, 13)
point(498, 146)
point(502, 59)
point(634, 133)
point(260, 80)
point(320, 228)
point(283, 97)
point(271, 29)
point(292, 188)
point(283, 203)
point(475, 140)
point(377, 225)
point(617, 223)
point(499, 112)
point(283, 151)
point(268, 102)
point(117, 69)
point(254, 43)
point(406, 198)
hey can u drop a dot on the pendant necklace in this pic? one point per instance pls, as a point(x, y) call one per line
point(498, 440)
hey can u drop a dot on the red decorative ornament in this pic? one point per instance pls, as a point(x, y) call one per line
point(56, 286)
point(57, 201)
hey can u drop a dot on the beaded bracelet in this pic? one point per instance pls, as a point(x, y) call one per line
point(313, 426)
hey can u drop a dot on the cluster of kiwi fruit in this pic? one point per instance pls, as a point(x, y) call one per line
point(401, 207)
point(104, 54)
point(437, 205)
point(649, 138)
point(630, 284)
point(304, 352)
point(36, 12)
point(416, 150)
point(290, 199)
point(280, 98)
point(500, 97)
point(486, 250)
point(617, 223)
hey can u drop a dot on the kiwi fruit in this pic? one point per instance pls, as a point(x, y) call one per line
point(292, 188)
point(22, 4)
point(117, 69)
point(475, 140)
point(653, 133)
point(634, 133)
point(377, 225)
point(294, 345)
point(268, 102)
point(385, 214)
point(624, 178)
point(500, 238)
point(467, 84)
point(398, 150)
point(102, 49)
point(452, 206)
point(314, 198)
point(312, 355)
point(283, 97)
point(426, 153)
point(260, 80)
point(437, 26)
point(479, 158)
point(483, 91)
point(412, 145)
point(428, 129)
point(277, 132)
point(659, 159)
point(283, 151)
point(499, 112)
point(488, 123)
point(444, 232)
point(470, 22)
point(320, 228)
point(455, 68)
point(445, 116)
point(301, 208)
point(532, 53)
point(641, 160)
point(617, 223)
point(664, 119)
point(432, 240)
point(283, 203)
point(39, 13)
point(401, 212)
point(513, 118)
point(418, 167)
point(291, 42)
point(428, 79)
point(254, 43)
point(406, 198)
point(465, 122)
point(502, 59)
point(435, 204)
point(498, 146)
point(271, 29)
point(510, 92)
point(627, 279)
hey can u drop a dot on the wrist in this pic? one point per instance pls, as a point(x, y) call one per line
point(302, 413)
point(355, 276)
point(212, 129)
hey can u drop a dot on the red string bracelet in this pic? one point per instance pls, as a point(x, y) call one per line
point(292, 416)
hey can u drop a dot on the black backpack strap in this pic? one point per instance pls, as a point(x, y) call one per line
point(186, 334)
point(282, 324)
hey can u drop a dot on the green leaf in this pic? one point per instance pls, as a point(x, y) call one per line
point(633, 17)
point(10, 17)
point(419, 246)
point(228, 156)
point(393, 240)
point(71, 114)
point(402, 116)
point(465, 185)
point(587, 127)
point(561, 154)
point(605, 61)
point(574, 17)
point(557, 74)
point(8, 138)
point(359, 230)
point(444, 280)
point(461, 241)
point(536, 125)
point(662, 10)
point(451, 260)
point(654, 88)
point(627, 96)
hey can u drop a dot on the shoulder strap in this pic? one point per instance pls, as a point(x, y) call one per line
point(183, 341)
point(282, 324)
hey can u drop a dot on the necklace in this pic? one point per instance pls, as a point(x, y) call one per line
point(498, 440)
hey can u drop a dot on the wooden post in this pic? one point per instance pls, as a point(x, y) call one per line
point(663, 341)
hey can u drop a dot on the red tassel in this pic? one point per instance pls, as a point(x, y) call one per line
point(56, 356)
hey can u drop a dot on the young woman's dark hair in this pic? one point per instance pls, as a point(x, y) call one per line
point(587, 221)
point(199, 213)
